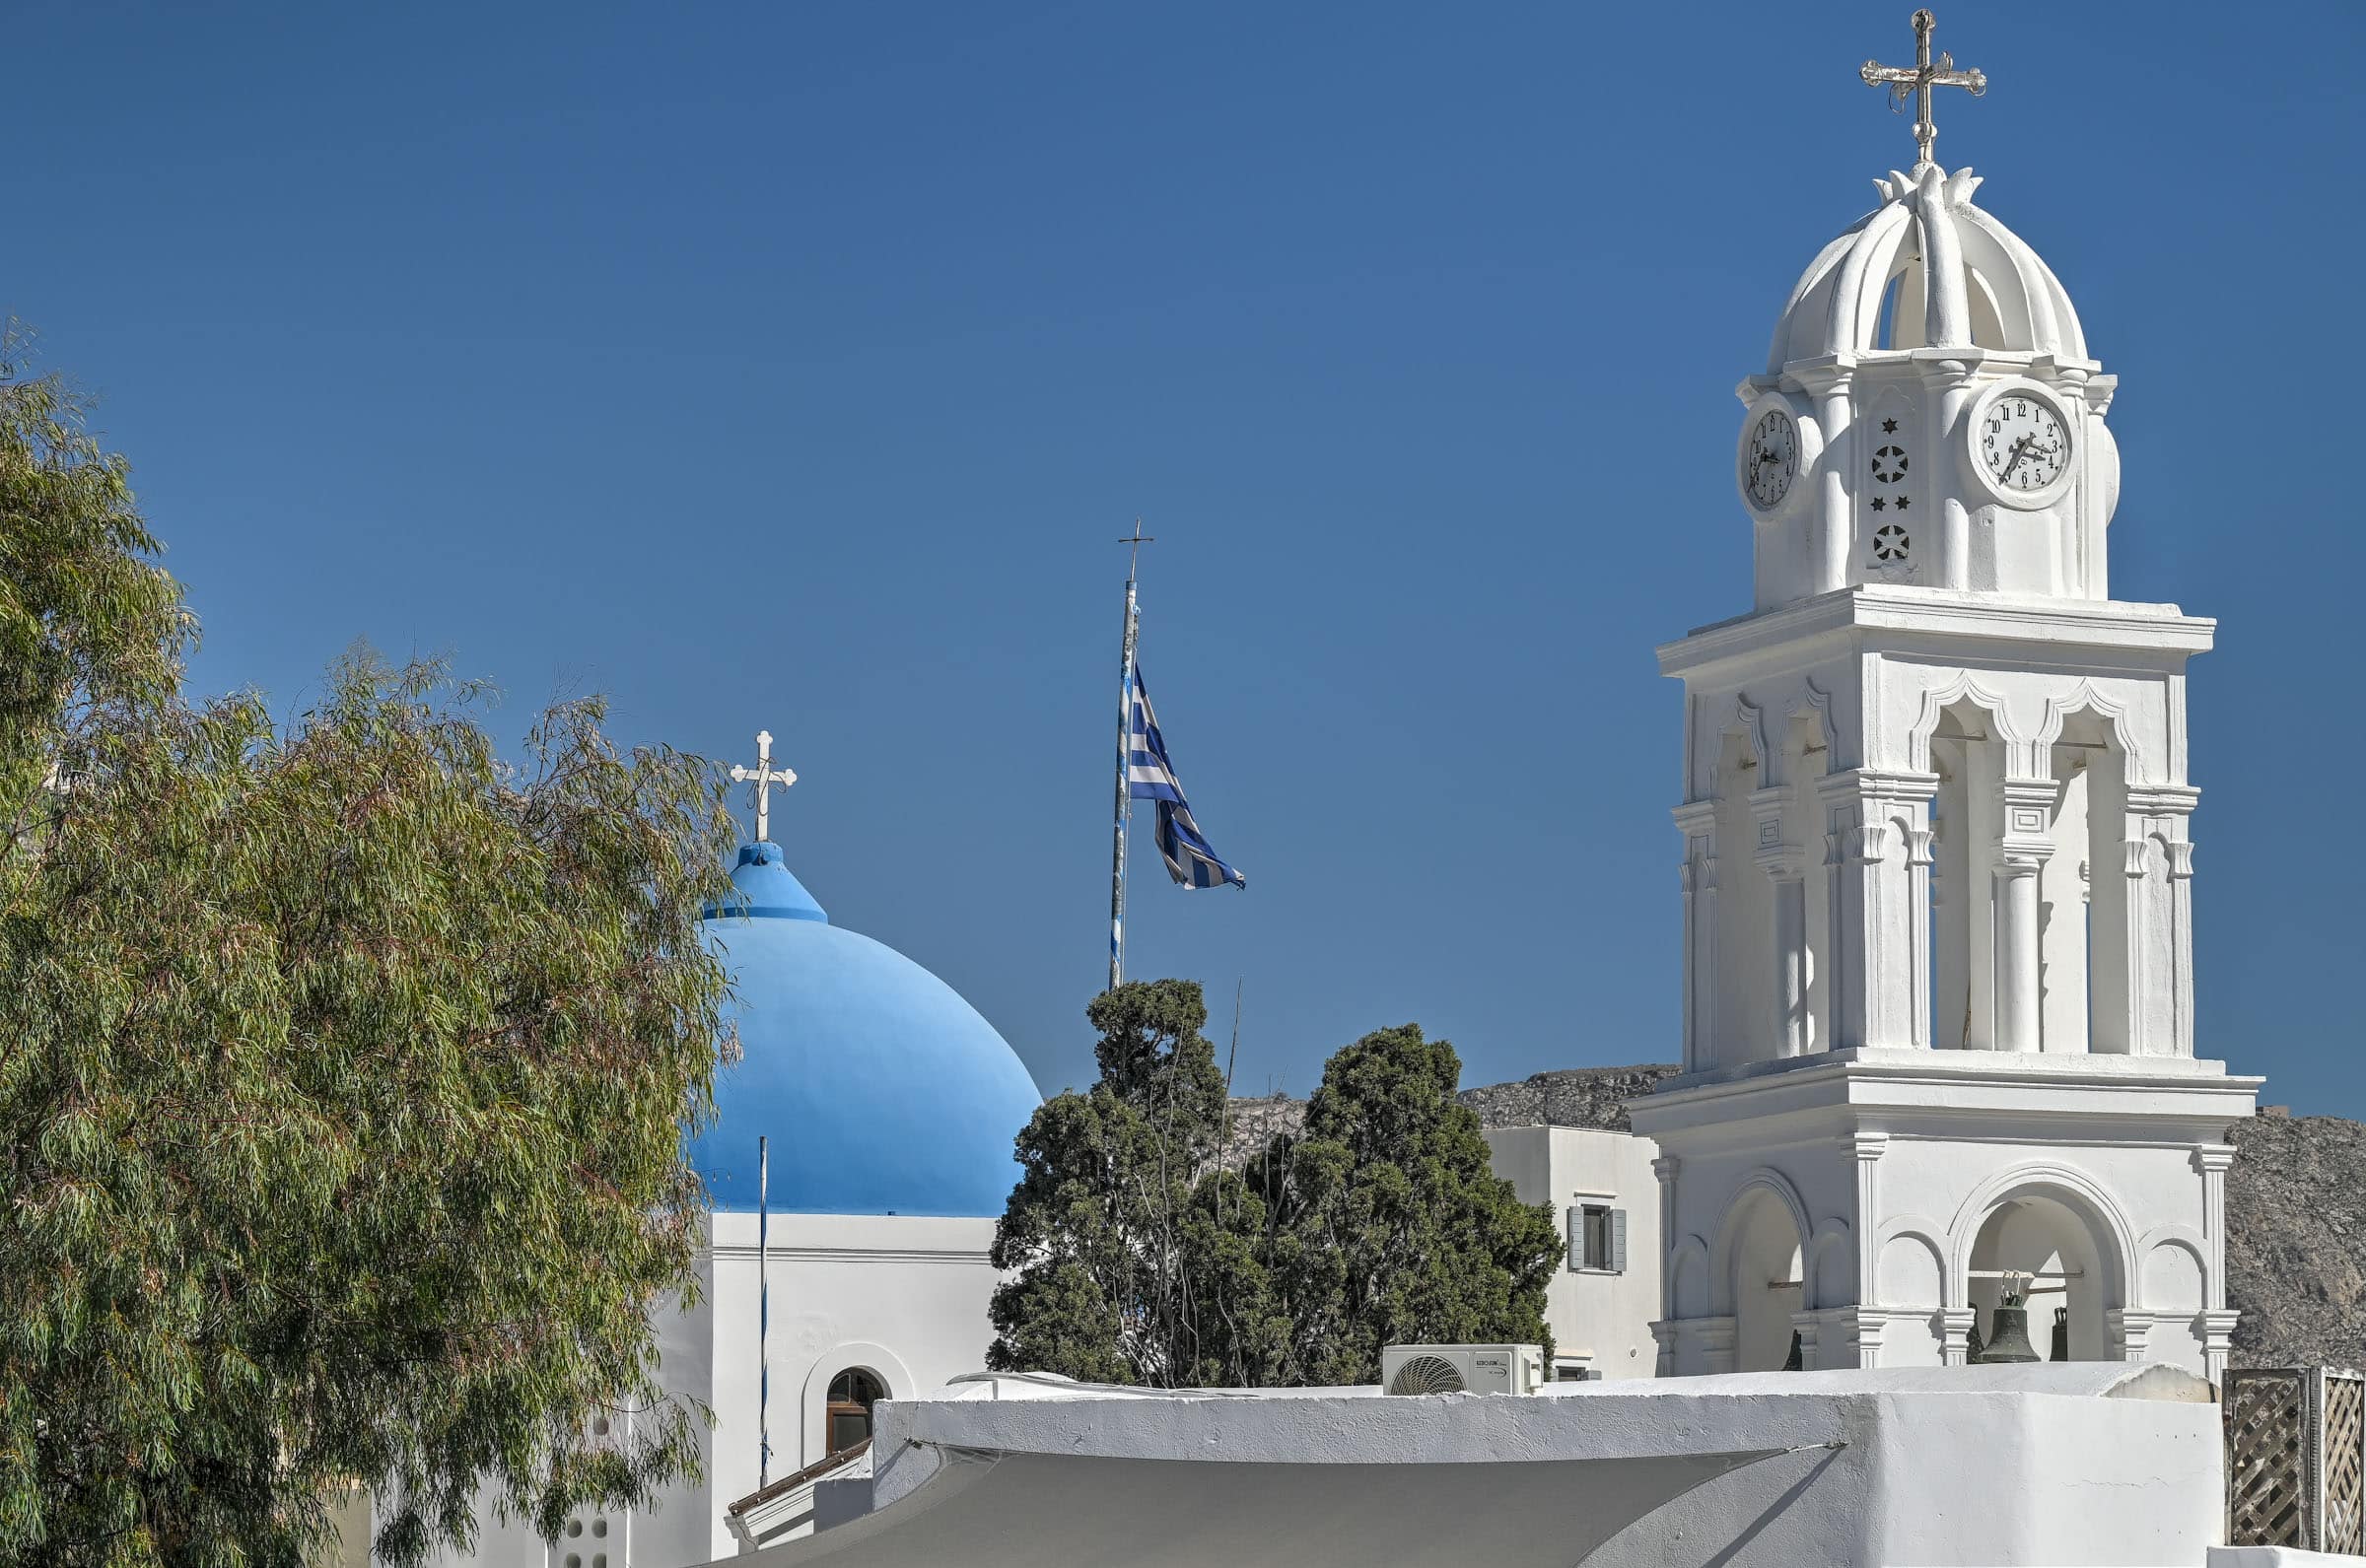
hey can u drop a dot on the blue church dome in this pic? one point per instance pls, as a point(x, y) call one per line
point(882, 1091)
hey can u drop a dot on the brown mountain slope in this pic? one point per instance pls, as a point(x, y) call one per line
point(2295, 1204)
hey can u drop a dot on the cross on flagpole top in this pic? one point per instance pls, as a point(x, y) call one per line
point(1136, 539)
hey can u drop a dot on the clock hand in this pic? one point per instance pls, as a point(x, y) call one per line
point(2020, 450)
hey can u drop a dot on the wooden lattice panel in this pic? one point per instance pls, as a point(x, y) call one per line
point(2268, 1491)
point(2344, 1485)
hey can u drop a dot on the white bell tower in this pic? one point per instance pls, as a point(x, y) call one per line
point(1938, 1004)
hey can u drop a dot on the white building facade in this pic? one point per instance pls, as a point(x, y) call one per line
point(1937, 878)
point(1601, 1303)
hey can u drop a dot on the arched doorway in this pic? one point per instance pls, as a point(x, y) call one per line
point(2052, 1239)
point(846, 1418)
point(1764, 1277)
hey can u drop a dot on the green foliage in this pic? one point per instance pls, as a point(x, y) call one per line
point(343, 1076)
point(1139, 1257)
point(1389, 1225)
point(90, 629)
point(1095, 1228)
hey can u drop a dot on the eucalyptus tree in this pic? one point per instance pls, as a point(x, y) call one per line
point(344, 1073)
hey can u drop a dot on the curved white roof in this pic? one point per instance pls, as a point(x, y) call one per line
point(1963, 281)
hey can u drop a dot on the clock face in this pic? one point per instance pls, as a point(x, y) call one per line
point(2023, 443)
point(1770, 459)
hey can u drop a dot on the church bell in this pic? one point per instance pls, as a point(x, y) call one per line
point(1797, 1360)
point(2008, 1337)
point(2062, 1335)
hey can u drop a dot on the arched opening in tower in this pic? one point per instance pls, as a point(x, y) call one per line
point(2046, 1250)
point(1766, 1281)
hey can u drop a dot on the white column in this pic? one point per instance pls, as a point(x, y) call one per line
point(2111, 1026)
point(1834, 528)
point(2063, 891)
point(1951, 380)
point(1786, 866)
point(1665, 1170)
point(2026, 845)
point(1698, 822)
point(1790, 954)
point(2094, 582)
point(1919, 860)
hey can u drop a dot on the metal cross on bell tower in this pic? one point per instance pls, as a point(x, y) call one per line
point(764, 776)
point(1920, 81)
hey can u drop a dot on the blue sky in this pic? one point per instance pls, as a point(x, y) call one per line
point(798, 366)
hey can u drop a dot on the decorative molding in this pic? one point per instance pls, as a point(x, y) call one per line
point(2085, 699)
point(2162, 801)
point(2078, 1190)
point(1696, 819)
point(1868, 785)
point(1936, 700)
point(1953, 1326)
point(2129, 1331)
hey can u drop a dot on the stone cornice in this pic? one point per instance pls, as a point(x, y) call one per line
point(2175, 1096)
point(2156, 634)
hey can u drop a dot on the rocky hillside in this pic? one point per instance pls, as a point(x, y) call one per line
point(2296, 1241)
point(2295, 1204)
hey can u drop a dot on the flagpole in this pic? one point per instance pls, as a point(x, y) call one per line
point(1125, 748)
point(763, 1310)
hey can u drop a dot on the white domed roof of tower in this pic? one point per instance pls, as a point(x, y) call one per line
point(1962, 280)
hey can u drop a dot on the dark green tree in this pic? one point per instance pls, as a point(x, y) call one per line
point(344, 1070)
point(1099, 1231)
point(1385, 1223)
point(1140, 1256)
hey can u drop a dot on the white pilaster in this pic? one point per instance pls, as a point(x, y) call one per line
point(1880, 992)
point(1698, 822)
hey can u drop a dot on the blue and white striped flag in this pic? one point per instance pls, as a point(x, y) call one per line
point(1190, 859)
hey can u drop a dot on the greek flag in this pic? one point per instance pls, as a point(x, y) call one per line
point(1190, 859)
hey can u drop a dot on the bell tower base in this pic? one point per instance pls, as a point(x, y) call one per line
point(1876, 1203)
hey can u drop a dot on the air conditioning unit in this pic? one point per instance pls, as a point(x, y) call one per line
point(1462, 1369)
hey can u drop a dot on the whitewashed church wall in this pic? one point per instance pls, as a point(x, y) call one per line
point(902, 1296)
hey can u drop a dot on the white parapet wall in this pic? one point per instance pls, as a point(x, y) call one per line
point(2055, 1464)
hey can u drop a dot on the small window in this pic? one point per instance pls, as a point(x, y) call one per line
point(1598, 1239)
point(847, 1420)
